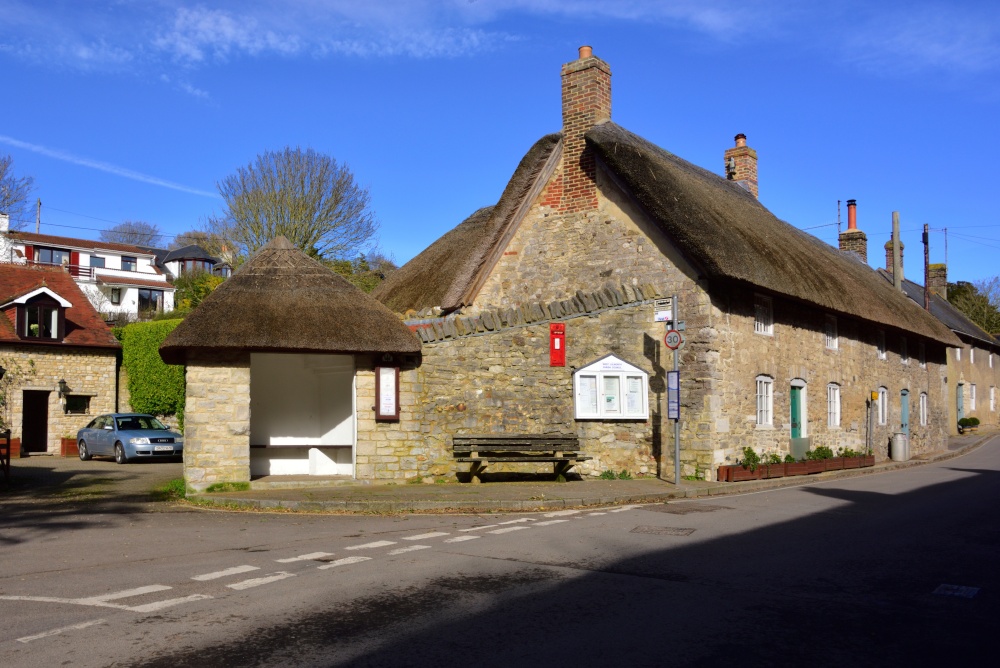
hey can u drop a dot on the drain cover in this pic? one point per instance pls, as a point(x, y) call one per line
point(663, 531)
point(683, 508)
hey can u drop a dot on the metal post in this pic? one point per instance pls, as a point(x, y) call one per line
point(677, 420)
point(927, 269)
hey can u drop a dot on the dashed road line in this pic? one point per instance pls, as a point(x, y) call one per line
point(425, 536)
point(74, 627)
point(508, 529)
point(305, 557)
point(461, 539)
point(138, 591)
point(369, 546)
point(159, 605)
point(235, 570)
point(411, 548)
point(487, 526)
point(256, 582)
point(548, 522)
point(562, 513)
point(595, 514)
point(521, 520)
point(623, 509)
point(344, 562)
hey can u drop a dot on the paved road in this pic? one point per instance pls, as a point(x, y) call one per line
point(888, 569)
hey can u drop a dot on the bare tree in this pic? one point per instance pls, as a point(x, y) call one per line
point(14, 191)
point(135, 232)
point(303, 195)
point(210, 241)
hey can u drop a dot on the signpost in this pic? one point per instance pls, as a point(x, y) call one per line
point(675, 341)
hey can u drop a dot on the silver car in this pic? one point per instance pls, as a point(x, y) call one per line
point(128, 436)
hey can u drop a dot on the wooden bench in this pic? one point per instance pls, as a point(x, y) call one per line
point(480, 450)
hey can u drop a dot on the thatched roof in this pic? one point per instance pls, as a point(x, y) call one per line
point(728, 235)
point(443, 274)
point(719, 227)
point(281, 300)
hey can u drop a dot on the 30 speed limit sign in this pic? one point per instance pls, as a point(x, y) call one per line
point(673, 339)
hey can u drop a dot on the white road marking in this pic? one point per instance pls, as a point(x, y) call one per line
point(595, 514)
point(423, 536)
point(344, 562)
point(74, 627)
point(304, 557)
point(159, 605)
point(138, 591)
point(411, 548)
point(507, 529)
point(561, 513)
point(548, 522)
point(462, 539)
point(518, 521)
point(235, 570)
point(488, 526)
point(623, 509)
point(368, 546)
point(256, 582)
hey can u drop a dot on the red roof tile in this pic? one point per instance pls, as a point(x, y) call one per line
point(84, 326)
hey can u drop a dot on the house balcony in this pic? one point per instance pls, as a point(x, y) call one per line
point(77, 271)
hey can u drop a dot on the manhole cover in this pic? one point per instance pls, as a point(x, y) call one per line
point(956, 590)
point(663, 531)
point(683, 508)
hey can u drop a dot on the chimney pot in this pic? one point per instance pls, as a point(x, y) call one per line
point(852, 214)
point(586, 52)
point(741, 140)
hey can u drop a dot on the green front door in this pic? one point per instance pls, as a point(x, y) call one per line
point(796, 396)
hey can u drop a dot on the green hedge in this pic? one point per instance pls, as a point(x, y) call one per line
point(155, 387)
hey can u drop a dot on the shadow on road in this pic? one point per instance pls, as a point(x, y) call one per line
point(852, 585)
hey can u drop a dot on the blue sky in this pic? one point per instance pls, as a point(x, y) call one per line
point(129, 109)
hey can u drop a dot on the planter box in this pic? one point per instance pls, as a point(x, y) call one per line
point(773, 470)
point(740, 474)
point(868, 460)
point(68, 448)
point(852, 462)
point(737, 473)
point(815, 466)
point(723, 474)
point(797, 468)
point(834, 463)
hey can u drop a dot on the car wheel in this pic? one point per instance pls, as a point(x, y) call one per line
point(120, 454)
point(84, 452)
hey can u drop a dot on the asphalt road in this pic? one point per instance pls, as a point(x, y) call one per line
point(898, 568)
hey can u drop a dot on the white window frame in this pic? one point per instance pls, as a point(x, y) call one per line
point(923, 409)
point(833, 405)
point(832, 340)
point(972, 396)
point(610, 379)
point(958, 354)
point(972, 356)
point(922, 354)
point(880, 344)
point(883, 405)
point(991, 360)
point(765, 401)
point(993, 398)
point(763, 315)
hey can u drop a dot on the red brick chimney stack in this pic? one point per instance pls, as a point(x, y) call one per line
point(853, 240)
point(586, 101)
point(741, 164)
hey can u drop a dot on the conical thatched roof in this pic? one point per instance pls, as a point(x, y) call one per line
point(281, 300)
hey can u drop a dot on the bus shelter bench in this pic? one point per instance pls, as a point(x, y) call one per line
point(479, 451)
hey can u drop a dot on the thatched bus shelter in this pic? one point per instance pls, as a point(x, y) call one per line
point(281, 363)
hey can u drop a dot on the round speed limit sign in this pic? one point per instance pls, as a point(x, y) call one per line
point(673, 339)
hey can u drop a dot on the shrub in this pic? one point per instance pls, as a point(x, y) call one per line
point(789, 459)
point(155, 387)
point(821, 452)
point(751, 460)
point(774, 458)
point(607, 475)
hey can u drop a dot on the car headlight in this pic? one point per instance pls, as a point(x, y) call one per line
point(139, 440)
point(179, 441)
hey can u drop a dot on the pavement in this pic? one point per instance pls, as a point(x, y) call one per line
point(55, 479)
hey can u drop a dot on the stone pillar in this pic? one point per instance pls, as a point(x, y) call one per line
point(217, 420)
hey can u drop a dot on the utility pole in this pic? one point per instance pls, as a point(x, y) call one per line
point(927, 269)
point(38, 217)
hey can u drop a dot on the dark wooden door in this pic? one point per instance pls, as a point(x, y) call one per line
point(35, 430)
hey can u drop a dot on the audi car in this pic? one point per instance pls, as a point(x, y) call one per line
point(128, 437)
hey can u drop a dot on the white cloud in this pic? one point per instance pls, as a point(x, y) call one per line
point(123, 172)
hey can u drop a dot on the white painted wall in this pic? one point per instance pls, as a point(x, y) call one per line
point(300, 402)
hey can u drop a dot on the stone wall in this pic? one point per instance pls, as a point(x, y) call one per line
point(217, 420)
point(976, 367)
point(87, 371)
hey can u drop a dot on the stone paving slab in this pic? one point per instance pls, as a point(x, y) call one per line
point(492, 497)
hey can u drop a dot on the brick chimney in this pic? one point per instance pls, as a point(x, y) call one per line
point(741, 164)
point(888, 257)
point(586, 101)
point(853, 240)
point(937, 279)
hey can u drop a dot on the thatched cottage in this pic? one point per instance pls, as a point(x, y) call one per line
point(787, 338)
point(284, 363)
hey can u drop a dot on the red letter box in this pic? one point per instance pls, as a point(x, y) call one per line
point(557, 344)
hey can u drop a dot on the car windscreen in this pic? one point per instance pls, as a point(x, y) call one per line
point(139, 423)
